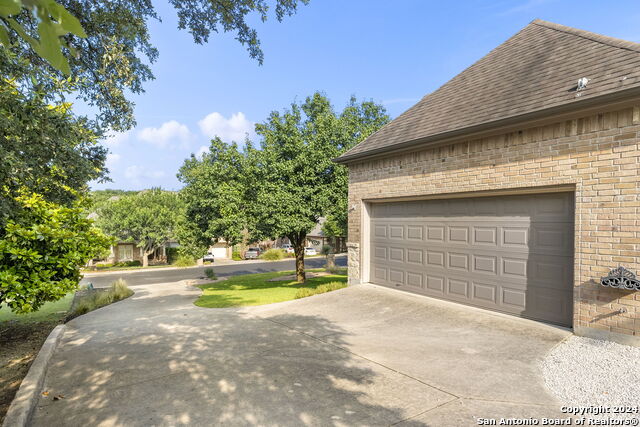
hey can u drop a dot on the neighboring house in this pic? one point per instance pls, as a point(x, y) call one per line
point(221, 250)
point(128, 251)
point(513, 187)
point(317, 239)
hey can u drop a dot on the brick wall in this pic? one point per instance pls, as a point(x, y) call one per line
point(598, 154)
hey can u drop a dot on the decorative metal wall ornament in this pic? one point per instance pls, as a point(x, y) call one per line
point(621, 278)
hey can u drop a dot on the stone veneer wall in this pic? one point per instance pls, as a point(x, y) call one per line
point(599, 154)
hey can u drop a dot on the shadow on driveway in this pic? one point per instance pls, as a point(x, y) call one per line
point(156, 359)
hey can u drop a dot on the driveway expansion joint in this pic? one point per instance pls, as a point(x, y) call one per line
point(364, 358)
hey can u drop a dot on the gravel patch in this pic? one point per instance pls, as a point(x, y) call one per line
point(585, 372)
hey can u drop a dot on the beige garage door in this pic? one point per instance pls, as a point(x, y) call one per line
point(512, 254)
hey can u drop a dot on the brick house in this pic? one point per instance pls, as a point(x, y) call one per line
point(513, 187)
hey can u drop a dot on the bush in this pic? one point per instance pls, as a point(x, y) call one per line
point(326, 250)
point(273, 255)
point(331, 286)
point(236, 256)
point(172, 255)
point(210, 273)
point(104, 265)
point(185, 261)
point(134, 263)
point(97, 298)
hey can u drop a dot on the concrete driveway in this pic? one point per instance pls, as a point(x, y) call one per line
point(360, 356)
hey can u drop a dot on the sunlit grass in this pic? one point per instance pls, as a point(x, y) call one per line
point(256, 289)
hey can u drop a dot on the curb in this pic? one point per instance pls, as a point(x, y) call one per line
point(26, 399)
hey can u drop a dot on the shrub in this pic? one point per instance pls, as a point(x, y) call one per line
point(97, 298)
point(134, 263)
point(236, 256)
point(104, 265)
point(273, 255)
point(326, 250)
point(210, 273)
point(331, 286)
point(172, 255)
point(185, 261)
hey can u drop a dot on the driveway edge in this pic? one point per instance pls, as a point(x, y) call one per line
point(26, 399)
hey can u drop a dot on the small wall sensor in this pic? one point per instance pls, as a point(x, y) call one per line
point(582, 83)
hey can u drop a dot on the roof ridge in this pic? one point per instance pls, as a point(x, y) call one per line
point(599, 38)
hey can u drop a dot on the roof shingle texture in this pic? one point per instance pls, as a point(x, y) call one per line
point(536, 69)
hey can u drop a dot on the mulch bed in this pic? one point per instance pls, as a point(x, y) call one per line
point(19, 345)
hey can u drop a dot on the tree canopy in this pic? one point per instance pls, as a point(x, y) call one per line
point(148, 219)
point(214, 193)
point(105, 44)
point(281, 187)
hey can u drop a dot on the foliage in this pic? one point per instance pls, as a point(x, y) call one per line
point(273, 255)
point(45, 149)
point(214, 195)
point(54, 23)
point(185, 261)
point(210, 273)
point(236, 256)
point(95, 299)
point(42, 250)
point(113, 61)
point(332, 286)
point(148, 218)
point(100, 197)
point(326, 250)
point(293, 178)
point(257, 289)
point(172, 255)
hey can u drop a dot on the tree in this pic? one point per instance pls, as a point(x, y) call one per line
point(214, 195)
point(357, 122)
point(47, 156)
point(292, 173)
point(42, 249)
point(148, 219)
point(114, 58)
point(44, 149)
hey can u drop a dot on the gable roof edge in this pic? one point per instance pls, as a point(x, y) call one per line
point(423, 143)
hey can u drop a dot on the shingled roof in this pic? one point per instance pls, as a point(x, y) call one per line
point(536, 70)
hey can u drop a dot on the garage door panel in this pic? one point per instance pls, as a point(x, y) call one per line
point(512, 254)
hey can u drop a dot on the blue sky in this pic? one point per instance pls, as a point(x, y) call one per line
point(393, 52)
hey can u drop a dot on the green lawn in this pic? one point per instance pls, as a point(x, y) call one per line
point(51, 311)
point(255, 289)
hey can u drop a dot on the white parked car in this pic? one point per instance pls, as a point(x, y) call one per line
point(288, 248)
point(310, 251)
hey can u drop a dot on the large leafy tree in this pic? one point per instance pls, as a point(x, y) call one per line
point(45, 149)
point(357, 121)
point(215, 194)
point(148, 219)
point(294, 180)
point(105, 44)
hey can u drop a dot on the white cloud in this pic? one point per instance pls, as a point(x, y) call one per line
point(168, 134)
point(114, 139)
point(235, 128)
point(140, 174)
point(203, 149)
point(112, 159)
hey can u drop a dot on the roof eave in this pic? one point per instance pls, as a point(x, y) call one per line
point(426, 142)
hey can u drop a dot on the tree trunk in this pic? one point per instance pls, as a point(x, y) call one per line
point(145, 259)
point(298, 249)
point(331, 261)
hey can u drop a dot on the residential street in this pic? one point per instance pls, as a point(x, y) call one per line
point(162, 275)
point(359, 356)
